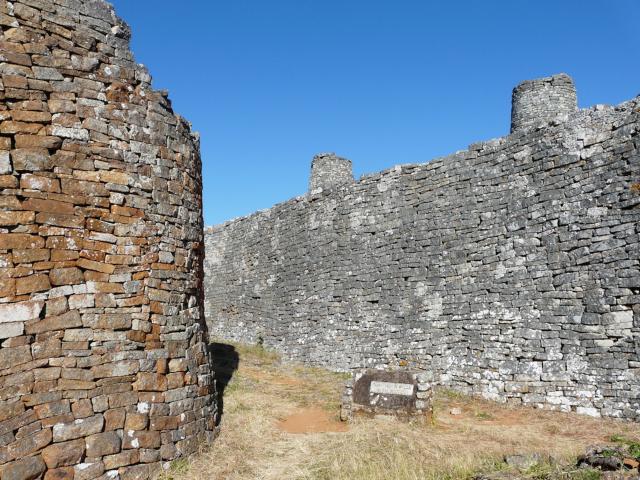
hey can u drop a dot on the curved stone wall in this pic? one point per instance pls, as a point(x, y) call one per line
point(104, 368)
point(539, 101)
point(511, 269)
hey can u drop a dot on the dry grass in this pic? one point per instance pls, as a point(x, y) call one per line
point(263, 391)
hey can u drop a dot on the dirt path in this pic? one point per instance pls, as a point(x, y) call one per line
point(311, 420)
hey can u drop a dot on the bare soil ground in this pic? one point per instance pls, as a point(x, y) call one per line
point(280, 421)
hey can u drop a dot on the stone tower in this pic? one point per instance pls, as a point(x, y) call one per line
point(104, 367)
point(539, 101)
point(329, 171)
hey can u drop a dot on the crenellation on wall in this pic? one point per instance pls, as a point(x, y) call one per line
point(510, 269)
point(104, 364)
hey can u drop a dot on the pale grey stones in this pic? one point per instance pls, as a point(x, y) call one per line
point(511, 269)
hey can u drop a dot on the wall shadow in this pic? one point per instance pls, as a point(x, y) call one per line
point(225, 361)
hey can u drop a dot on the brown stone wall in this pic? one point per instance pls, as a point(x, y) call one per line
point(104, 370)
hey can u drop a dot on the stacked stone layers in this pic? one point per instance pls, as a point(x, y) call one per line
point(329, 171)
point(104, 369)
point(511, 269)
point(537, 102)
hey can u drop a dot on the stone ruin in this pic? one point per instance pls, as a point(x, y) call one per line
point(509, 270)
point(104, 367)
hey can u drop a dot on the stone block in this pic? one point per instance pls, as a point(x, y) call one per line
point(88, 470)
point(114, 419)
point(96, 266)
point(79, 428)
point(20, 311)
point(5, 163)
point(31, 255)
point(15, 356)
point(29, 468)
point(64, 454)
point(30, 444)
point(11, 218)
point(30, 159)
point(37, 142)
point(66, 276)
point(69, 319)
point(10, 409)
point(63, 473)
point(102, 444)
point(150, 382)
point(32, 283)
point(122, 459)
point(52, 409)
point(10, 241)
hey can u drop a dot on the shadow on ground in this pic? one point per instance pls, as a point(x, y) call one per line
point(225, 362)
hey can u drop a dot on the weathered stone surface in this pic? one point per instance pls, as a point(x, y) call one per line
point(16, 218)
point(30, 159)
point(100, 214)
point(66, 276)
point(82, 427)
point(510, 269)
point(63, 473)
point(30, 444)
point(114, 419)
point(11, 329)
point(150, 382)
point(20, 312)
point(15, 356)
point(88, 471)
point(32, 283)
point(97, 266)
point(63, 454)
point(29, 468)
point(5, 163)
point(9, 241)
point(60, 322)
point(117, 369)
point(10, 409)
point(101, 444)
point(122, 459)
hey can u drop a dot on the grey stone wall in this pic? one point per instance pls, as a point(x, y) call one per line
point(511, 269)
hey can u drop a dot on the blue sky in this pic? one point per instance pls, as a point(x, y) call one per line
point(270, 83)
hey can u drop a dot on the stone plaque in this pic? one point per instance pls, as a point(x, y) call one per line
point(390, 388)
point(382, 392)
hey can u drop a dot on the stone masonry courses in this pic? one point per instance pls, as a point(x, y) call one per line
point(104, 367)
point(509, 270)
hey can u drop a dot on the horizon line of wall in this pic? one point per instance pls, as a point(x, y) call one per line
point(511, 269)
point(535, 104)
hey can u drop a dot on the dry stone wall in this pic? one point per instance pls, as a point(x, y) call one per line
point(104, 368)
point(511, 269)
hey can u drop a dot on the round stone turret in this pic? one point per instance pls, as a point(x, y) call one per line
point(329, 171)
point(539, 101)
point(105, 370)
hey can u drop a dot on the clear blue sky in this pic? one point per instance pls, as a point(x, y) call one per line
point(270, 83)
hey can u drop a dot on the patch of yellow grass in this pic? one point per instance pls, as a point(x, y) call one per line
point(264, 390)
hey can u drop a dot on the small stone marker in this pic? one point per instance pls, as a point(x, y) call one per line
point(378, 392)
